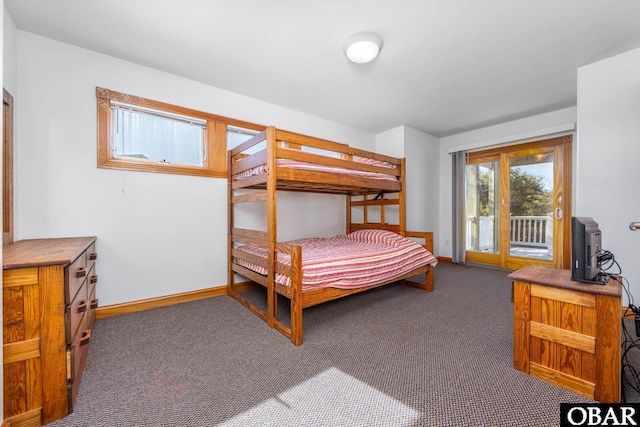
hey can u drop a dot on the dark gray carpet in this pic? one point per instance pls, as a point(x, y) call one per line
point(393, 356)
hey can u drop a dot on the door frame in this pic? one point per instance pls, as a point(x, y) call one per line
point(7, 168)
point(562, 149)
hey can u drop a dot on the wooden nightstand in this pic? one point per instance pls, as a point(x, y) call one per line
point(568, 333)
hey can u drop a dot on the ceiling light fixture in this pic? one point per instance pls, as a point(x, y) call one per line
point(362, 47)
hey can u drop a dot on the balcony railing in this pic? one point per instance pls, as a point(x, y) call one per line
point(531, 231)
point(525, 232)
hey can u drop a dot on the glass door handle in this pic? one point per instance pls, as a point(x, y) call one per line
point(559, 213)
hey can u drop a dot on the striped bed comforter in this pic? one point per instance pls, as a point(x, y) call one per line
point(362, 258)
point(294, 164)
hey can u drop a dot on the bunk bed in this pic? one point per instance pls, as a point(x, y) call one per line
point(374, 186)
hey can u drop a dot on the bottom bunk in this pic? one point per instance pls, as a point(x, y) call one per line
point(312, 271)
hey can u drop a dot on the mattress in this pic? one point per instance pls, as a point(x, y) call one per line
point(295, 164)
point(362, 258)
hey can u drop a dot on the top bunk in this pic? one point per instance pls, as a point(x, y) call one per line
point(285, 160)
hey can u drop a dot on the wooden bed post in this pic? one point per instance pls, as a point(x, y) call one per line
point(348, 196)
point(230, 211)
point(296, 295)
point(427, 237)
point(272, 225)
point(365, 209)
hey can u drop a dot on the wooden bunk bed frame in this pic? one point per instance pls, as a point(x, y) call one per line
point(361, 193)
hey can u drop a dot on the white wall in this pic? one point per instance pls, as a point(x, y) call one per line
point(608, 150)
point(157, 234)
point(511, 131)
point(422, 153)
point(10, 72)
point(391, 142)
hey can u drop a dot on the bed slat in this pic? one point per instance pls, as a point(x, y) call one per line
point(296, 138)
point(283, 269)
point(285, 248)
point(246, 163)
point(323, 144)
point(252, 197)
point(249, 274)
point(378, 226)
point(376, 202)
point(249, 143)
point(249, 237)
point(255, 181)
point(254, 259)
point(333, 179)
point(283, 153)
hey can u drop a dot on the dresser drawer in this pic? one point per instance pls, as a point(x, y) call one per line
point(76, 312)
point(78, 352)
point(92, 256)
point(93, 304)
point(92, 278)
point(75, 276)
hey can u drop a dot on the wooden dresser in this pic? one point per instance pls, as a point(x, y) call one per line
point(49, 302)
point(568, 333)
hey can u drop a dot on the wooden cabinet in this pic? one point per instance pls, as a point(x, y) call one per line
point(568, 333)
point(48, 313)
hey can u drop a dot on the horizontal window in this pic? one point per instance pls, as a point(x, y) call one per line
point(236, 136)
point(149, 135)
point(140, 134)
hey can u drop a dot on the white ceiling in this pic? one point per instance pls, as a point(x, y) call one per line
point(446, 66)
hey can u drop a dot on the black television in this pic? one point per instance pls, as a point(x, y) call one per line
point(586, 246)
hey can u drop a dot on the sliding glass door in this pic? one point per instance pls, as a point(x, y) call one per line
point(532, 227)
point(483, 209)
point(515, 203)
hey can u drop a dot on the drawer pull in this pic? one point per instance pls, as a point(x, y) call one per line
point(81, 272)
point(82, 307)
point(93, 279)
point(94, 303)
point(86, 336)
point(93, 256)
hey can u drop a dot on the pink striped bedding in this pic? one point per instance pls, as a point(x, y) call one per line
point(359, 259)
point(294, 164)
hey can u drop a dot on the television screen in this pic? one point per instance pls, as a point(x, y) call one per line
point(586, 246)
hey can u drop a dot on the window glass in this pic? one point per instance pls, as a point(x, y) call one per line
point(145, 135)
point(321, 152)
point(236, 136)
point(483, 214)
